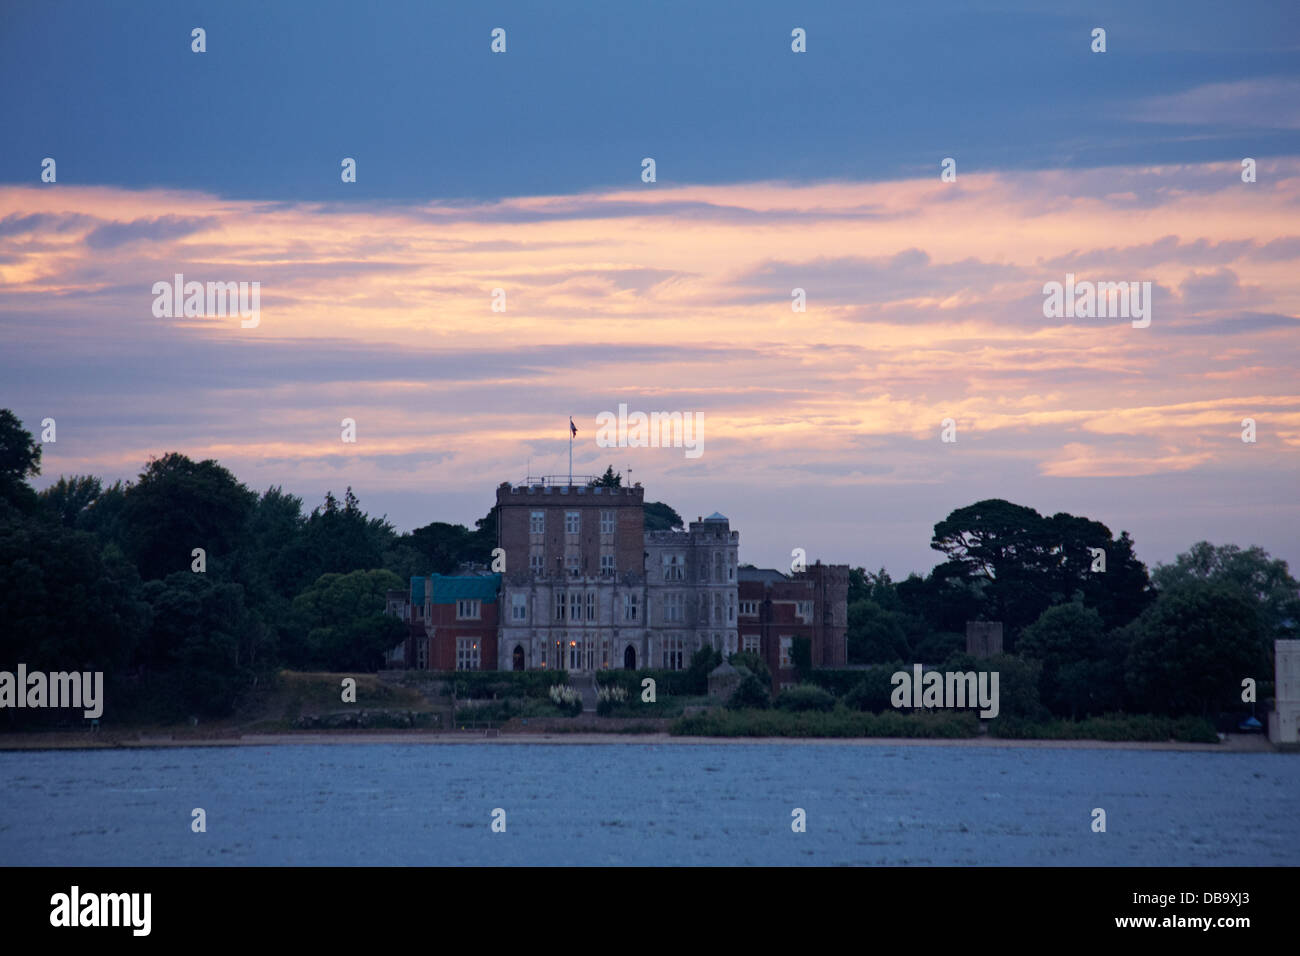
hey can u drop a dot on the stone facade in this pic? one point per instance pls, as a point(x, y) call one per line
point(983, 638)
point(1284, 719)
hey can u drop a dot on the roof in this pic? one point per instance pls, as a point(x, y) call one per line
point(723, 670)
point(449, 588)
point(765, 575)
point(716, 516)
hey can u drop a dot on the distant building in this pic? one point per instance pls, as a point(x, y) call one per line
point(1284, 720)
point(451, 621)
point(587, 588)
point(775, 608)
point(983, 638)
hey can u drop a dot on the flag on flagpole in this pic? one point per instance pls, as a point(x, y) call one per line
point(573, 429)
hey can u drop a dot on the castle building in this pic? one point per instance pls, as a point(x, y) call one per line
point(587, 588)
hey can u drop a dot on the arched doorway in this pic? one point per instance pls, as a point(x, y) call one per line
point(519, 657)
point(629, 658)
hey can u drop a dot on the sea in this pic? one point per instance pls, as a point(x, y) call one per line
point(646, 804)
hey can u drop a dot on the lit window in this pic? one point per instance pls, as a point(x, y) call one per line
point(467, 654)
point(785, 652)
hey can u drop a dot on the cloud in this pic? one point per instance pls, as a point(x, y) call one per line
point(1264, 103)
point(114, 234)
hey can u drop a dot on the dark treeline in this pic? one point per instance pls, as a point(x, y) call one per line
point(97, 577)
point(1082, 642)
point(102, 578)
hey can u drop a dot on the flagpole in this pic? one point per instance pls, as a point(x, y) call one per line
point(570, 450)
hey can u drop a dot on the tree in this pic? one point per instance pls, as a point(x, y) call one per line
point(20, 459)
point(1189, 651)
point(69, 499)
point(875, 634)
point(1021, 563)
point(750, 692)
point(340, 540)
point(200, 652)
point(178, 505)
point(1262, 580)
point(703, 661)
point(752, 663)
point(1083, 671)
point(345, 627)
point(660, 517)
point(610, 479)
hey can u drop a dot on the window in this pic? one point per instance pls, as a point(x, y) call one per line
point(673, 604)
point(572, 522)
point(606, 564)
point(629, 607)
point(672, 653)
point(574, 561)
point(674, 567)
point(749, 609)
point(751, 643)
point(535, 563)
point(467, 654)
point(575, 605)
point(467, 610)
point(717, 565)
point(607, 522)
point(785, 651)
point(731, 611)
point(422, 654)
point(559, 605)
point(575, 655)
point(537, 522)
point(731, 565)
point(717, 609)
point(591, 605)
point(519, 607)
point(805, 610)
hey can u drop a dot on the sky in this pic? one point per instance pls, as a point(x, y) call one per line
point(522, 171)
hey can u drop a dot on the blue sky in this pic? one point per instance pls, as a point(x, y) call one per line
point(711, 91)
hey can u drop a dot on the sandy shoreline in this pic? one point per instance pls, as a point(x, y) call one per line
point(84, 741)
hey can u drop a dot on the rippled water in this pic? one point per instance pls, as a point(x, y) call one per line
point(411, 804)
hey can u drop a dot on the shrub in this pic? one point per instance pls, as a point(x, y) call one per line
point(805, 697)
point(751, 693)
point(567, 699)
point(873, 690)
